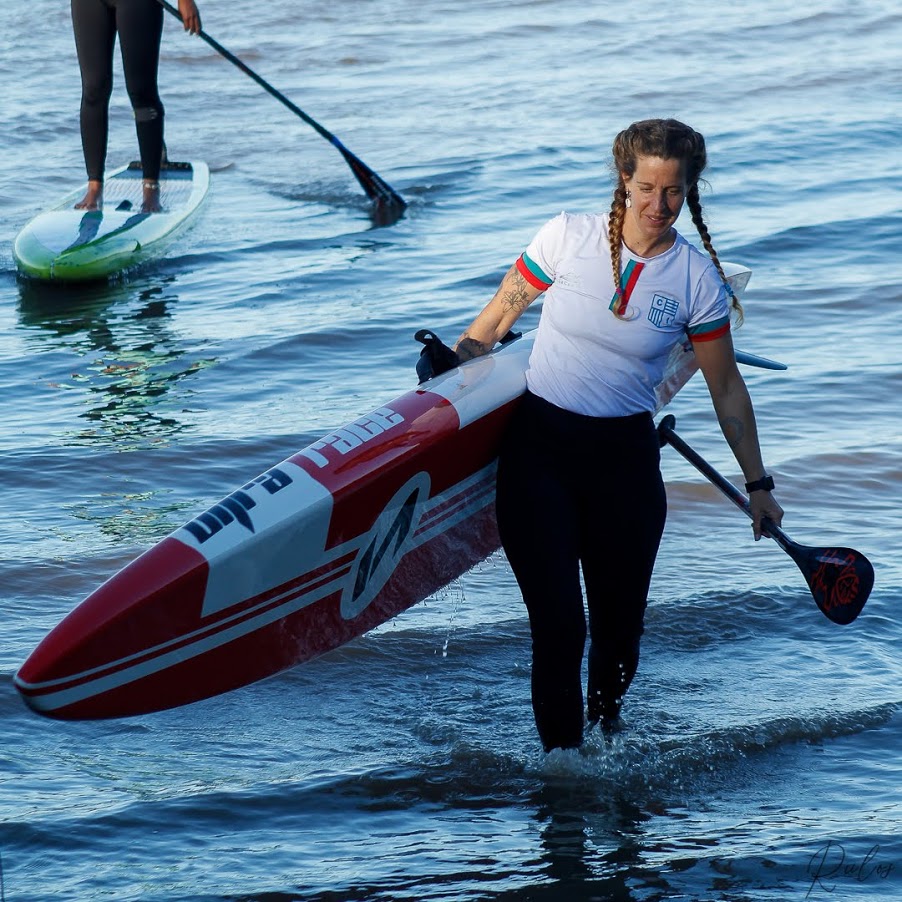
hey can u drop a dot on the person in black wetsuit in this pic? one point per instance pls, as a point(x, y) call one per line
point(139, 24)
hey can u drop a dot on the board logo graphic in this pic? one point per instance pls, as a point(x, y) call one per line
point(384, 545)
point(353, 435)
point(237, 506)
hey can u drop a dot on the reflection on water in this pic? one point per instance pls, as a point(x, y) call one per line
point(130, 517)
point(132, 360)
point(591, 847)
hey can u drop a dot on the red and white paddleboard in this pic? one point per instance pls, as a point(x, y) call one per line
point(326, 545)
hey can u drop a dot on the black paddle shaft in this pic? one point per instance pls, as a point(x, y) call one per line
point(840, 579)
point(375, 187)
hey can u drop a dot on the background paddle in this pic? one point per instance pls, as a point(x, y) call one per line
point(389, 203)
point(840, 579)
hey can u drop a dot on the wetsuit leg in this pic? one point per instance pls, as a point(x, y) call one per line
point(580, 490)
point(623, 521)
point(140, 26)
point(94, 25)
point(537, 521)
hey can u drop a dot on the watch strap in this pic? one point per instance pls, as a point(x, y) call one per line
point(765, 483)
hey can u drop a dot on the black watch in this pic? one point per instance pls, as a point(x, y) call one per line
point(765, 483)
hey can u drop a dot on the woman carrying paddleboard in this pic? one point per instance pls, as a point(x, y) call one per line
point(579, 481)
point(139, 24)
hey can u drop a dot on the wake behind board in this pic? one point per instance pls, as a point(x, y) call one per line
point(326, 545)
point(66, 244)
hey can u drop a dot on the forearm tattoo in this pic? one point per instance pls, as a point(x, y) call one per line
point(514, 297)
point(733, 430)
point(468, 348)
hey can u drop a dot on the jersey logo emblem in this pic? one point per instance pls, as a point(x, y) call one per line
point(663, 311)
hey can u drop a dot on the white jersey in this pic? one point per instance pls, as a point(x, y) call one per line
point(587, 360)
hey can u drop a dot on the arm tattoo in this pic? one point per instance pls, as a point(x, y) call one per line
point(515, 297)
point(733, 431)
point(468, 348)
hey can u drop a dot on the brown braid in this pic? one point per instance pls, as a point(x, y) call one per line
point(694, 203)
point(615, 233)
point(667, 139)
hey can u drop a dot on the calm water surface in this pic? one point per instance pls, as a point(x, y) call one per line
point(760, 759)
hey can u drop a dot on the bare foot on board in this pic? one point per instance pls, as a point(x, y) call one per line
point(93, 199)
point(151, 202)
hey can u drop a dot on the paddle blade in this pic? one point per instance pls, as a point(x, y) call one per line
point(840, 579)
point(389, 205)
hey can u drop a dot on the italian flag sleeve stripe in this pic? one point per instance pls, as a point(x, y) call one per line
point(710, 331)
point(533, 273)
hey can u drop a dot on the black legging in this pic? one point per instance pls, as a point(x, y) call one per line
point(578, 490)
point(140, 27)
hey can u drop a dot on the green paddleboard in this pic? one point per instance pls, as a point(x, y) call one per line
point(66, 244)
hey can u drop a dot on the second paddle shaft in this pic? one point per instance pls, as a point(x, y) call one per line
point(374, 185)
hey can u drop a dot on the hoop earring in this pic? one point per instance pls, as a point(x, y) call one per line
point(629, 199)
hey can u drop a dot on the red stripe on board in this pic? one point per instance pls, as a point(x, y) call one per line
point(177, 642)
point(295, 638)
point(445, 511)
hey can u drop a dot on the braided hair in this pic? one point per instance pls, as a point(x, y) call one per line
point(666, 139)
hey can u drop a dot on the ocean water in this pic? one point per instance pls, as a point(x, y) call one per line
point(760, 759)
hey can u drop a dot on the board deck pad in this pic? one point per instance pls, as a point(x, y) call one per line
point(126, 187)
point(336, 539)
